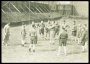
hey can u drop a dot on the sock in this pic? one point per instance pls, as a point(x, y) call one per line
point(65, 51)
point(83, 48)
point(33, 47)
point(59, 50)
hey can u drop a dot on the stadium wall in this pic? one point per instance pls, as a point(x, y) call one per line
point(81, 7)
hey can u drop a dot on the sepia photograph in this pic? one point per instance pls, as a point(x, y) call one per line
point(44, 31)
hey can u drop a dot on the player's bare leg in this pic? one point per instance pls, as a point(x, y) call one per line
point(59, 50)
point(23, 42)
point(30, 47)
point(83, 48)
point(33, 48)
point(65, 51)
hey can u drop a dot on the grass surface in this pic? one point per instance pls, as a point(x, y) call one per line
point(44, 51)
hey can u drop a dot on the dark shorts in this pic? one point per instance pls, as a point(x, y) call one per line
point(74, 33)
point(56, 32)
point(62, 42)
point(42, 31)
point(47, 30)
point(83, 41)
point(33, 40)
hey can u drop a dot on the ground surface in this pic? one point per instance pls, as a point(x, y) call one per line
point(45, 52)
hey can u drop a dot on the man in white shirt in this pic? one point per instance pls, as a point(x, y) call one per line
point(23, 33)
point(7, 34)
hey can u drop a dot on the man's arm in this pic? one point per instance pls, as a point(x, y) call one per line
point(5, 28)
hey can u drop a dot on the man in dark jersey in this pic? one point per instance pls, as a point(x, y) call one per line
point(63, 41)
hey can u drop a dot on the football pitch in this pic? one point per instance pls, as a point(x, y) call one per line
point(45, 52)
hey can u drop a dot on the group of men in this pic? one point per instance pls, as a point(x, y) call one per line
point(52, 30)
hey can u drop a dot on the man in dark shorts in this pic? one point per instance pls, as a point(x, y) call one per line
point(33, 38)
point(63, 40)
point(7, 34)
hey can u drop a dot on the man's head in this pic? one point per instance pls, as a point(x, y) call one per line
point(52, 22)
point(48, 21)
point(41, 21)
point(9, 23)
point(64, 21)
point(33, 26)
point(33, 22)
point(74, 22)
point(85, 25)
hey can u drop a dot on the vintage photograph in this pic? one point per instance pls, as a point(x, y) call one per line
point(44, 31)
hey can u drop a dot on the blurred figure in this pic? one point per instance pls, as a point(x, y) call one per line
point(63, 41)
point(74, 32)
point(57, 29)
point(7, 34)
point(42, 25)
point(23, 33)
point(33, 38)
point(84, 37)
point(46, 30)
point(63, 24)
point(79, 32)
point(52, 31)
